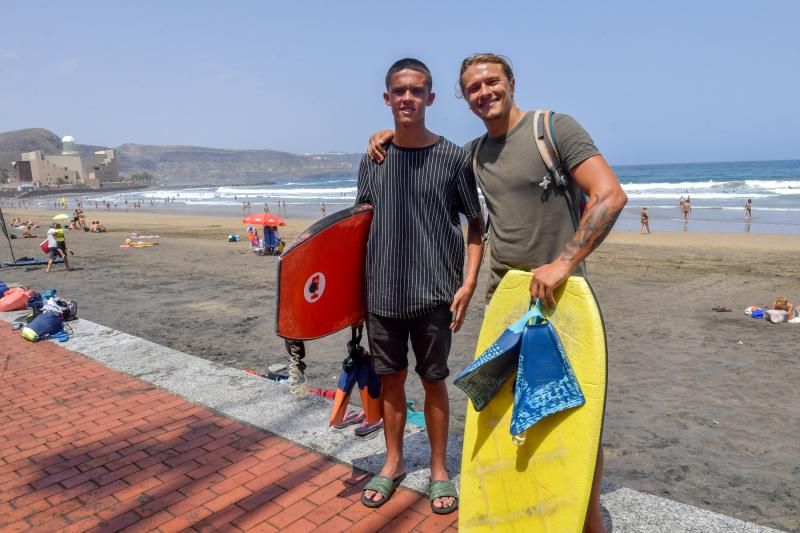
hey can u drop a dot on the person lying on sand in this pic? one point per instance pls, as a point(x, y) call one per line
point(781, 303)
point(26, 233)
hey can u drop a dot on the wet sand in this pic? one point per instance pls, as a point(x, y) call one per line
point(692, 414)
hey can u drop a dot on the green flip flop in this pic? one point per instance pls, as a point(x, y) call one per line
point(382, 485)
point(443, 489)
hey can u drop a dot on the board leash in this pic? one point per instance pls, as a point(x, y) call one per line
point(297, 375)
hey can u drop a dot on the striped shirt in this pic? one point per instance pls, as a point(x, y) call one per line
point(415, 253)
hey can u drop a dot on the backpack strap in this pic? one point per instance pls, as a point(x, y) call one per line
point(548, 150)
point(546, 143)
point(474, 158)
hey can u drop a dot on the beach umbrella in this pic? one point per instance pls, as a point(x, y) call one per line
point(263, 219)
point(62, 216)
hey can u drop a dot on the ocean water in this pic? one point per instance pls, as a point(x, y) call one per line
point(718, 194)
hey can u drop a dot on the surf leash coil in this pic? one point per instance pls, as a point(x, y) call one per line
point(297, 368)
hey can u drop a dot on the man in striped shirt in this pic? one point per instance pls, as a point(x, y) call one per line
point(416, 288)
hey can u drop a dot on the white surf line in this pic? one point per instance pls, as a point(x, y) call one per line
point(270, 406)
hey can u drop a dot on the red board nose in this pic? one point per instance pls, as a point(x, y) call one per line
point(321, 276)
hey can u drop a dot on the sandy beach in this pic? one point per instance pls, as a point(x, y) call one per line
point(703, 407)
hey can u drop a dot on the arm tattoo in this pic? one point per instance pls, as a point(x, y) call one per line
point(594, 228)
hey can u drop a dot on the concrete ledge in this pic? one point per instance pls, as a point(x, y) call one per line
point(271, 406)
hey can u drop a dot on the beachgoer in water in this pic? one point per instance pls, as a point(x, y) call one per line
point(487, 84)
point(687, 209)
point(748, 209)
point(645, 225)
point(438, 183)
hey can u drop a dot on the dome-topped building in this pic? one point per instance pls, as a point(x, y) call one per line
point(68, 170)
point(68, 145)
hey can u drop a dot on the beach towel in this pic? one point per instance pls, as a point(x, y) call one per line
point(776, 316)
point(137, 244)
point(3, 289)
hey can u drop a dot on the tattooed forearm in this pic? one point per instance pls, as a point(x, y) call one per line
point(594, 227)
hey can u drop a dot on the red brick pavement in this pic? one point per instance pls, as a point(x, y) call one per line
point(83, 447)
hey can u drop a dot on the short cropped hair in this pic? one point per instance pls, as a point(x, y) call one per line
point(477, 59)
point(409, 63)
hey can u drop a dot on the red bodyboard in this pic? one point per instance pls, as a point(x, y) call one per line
point(321, 276)
point(45, 248)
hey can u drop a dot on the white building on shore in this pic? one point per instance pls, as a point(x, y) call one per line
point(70, 170)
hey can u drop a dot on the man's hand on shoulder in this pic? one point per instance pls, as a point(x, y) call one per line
point(546, 279)
point(376, 149)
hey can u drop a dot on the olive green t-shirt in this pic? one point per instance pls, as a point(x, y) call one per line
point(529, 225)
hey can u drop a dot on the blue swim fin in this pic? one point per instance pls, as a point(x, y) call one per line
point(485, 375)
point(545, 382)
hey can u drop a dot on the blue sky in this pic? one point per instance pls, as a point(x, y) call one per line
point(670, 82)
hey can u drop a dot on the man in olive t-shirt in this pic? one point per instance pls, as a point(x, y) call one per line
point(530, 224)
point(532, 227)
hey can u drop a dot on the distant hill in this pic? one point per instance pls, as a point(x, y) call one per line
point(197, 165)
point(190, 165)
point(13, 143)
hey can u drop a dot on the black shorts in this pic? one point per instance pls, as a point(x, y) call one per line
point(430, 339)
point(53, 253)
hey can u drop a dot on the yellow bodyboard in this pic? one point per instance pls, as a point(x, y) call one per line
point(543, 485)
